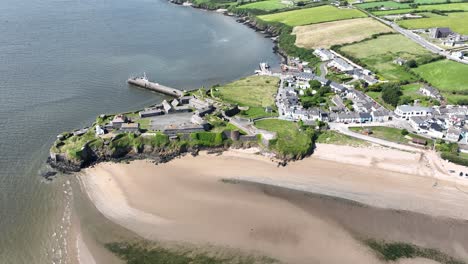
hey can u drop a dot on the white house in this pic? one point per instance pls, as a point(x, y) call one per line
point(324, 54)
point(430, 91)
point(453, 134)
point(341, 65)
point(407, 111)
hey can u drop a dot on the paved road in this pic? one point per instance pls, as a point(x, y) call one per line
point(323, 69)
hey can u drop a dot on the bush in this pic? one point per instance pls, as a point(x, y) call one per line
point(454, 158)
point(391, 93)
point(404, 132)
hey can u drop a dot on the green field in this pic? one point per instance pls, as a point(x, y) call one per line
point(291, 141)
point(387, 4)
point(312, 15)
point(451, 20)
point(332, 137)
point(379, 53)
point(267, 5)
point(435, 1)
point(450, 77)
point(439, 7)
point(253, 91)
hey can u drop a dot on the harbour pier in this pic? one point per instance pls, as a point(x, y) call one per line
point(143, 82)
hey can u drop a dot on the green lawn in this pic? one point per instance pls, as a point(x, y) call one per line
point(450, 77)
point(388, 133)
point(378, 54)
point(256, 92)
point(387, 4)
point(312, 15)
point(439, 7)
point(332, 137)
point(451, 20)
point(377, 96)
point(434, 1)
point(268, 5)
point(291, 141)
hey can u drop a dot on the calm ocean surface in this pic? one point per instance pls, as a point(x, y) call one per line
point(63, 62)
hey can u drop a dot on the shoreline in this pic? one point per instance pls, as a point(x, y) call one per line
point(121, 198)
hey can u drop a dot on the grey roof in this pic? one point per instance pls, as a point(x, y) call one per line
point(365, 115)
point(409, 108)
point(337, 86)
point(418, 119)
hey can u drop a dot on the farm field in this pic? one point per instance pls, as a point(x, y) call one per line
point(256, 92)
point(439, 7)
point(337, 32)
point(387, 4)
point(378, 55)
point(451, 20)
point(449, 77)
point(313, 15)
point(267, 5)
point(434, 1)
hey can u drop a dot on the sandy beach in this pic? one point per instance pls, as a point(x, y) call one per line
point(187, 200)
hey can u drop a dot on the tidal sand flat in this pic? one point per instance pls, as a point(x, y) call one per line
point(303, 213)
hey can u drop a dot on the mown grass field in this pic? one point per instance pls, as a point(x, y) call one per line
point(332, 137)
point(439, 7)
point(313, 15)
point(291, 140)
point(379, 53)
point(253, 91)
point(267, 5)
point(451, 20)
point(387, 4)
point(337, 32)
point(450, 77)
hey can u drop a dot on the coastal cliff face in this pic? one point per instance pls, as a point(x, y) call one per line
point(91, 153)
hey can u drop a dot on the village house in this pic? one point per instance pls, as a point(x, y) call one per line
point(407, 111)
point(442, 32)
point(365, 117)
point(431, 92)
point(416, 122)
point(324, 54)
point(341, 65)
point(453, 134)
point(348, 117)
point(380, 115)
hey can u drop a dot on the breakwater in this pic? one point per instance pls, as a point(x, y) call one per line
point(144, 83)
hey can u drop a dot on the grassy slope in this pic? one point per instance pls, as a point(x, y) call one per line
point(452, 20)
point(337, 32)
point(312, 15)
point(291, 141)
point(448, 76)
point(332, 137)
point(255, 91)
point(267, 5)
point(379, 54)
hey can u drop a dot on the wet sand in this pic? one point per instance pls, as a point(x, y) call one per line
point(185, 200)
